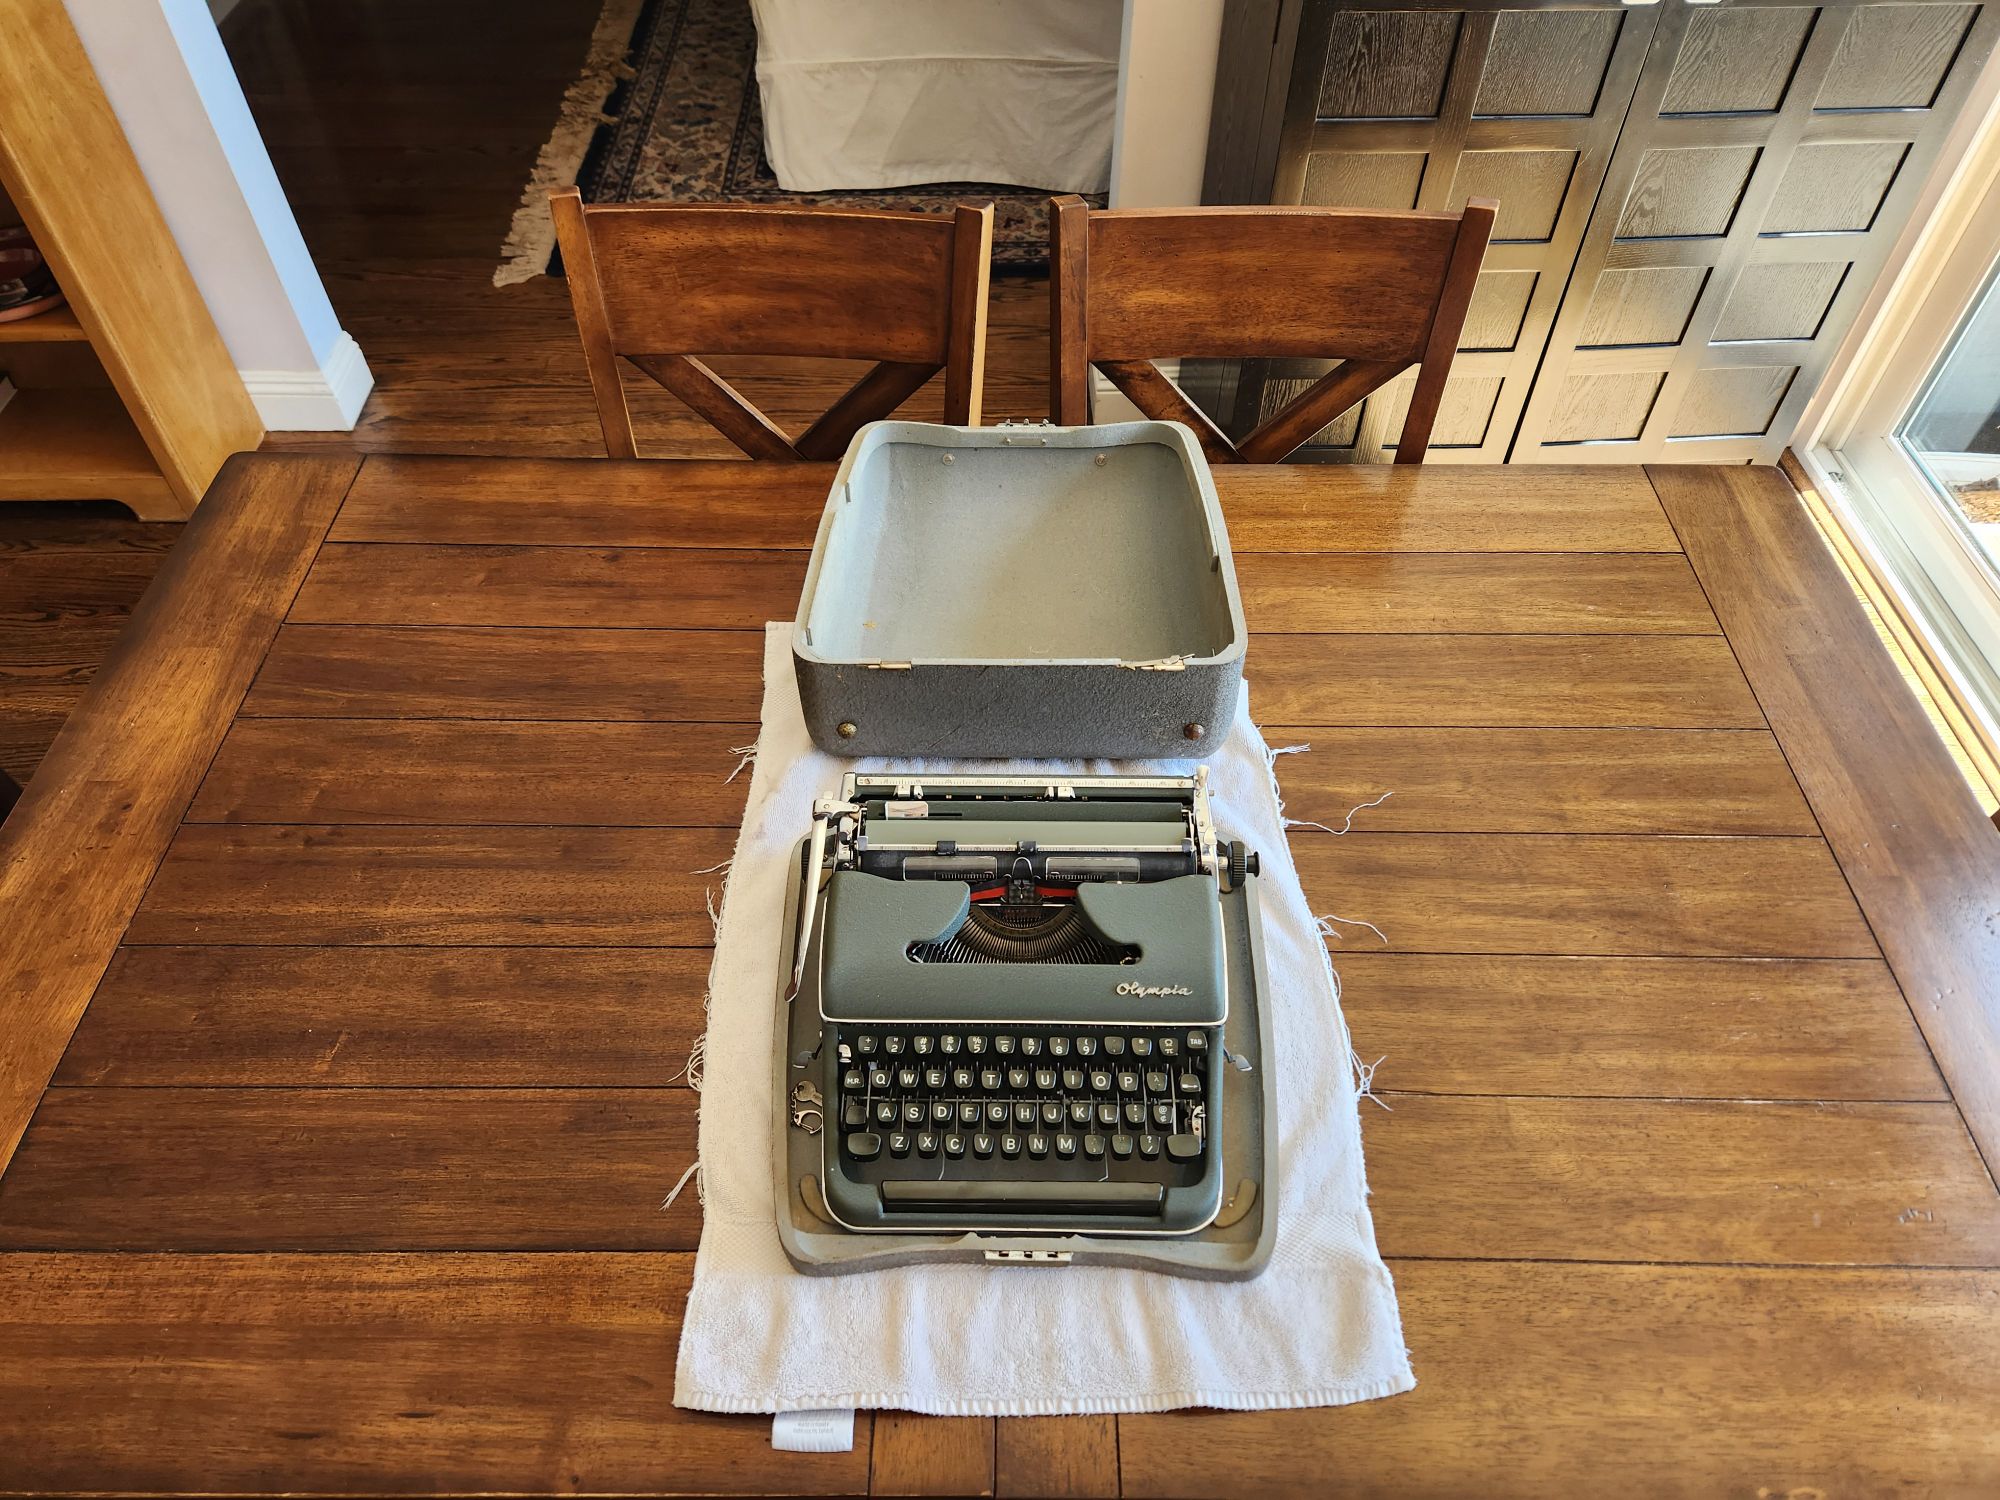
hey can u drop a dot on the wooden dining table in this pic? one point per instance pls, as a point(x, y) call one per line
point(353, 940)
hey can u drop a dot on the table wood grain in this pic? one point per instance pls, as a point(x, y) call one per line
point(353, 940)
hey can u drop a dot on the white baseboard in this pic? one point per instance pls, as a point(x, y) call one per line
point(324, 400)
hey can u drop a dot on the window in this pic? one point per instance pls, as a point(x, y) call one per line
point(1904, 442)
point(1953, 432)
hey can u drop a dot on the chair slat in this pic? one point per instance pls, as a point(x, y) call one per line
point(1069, 271)
point(965, 344)
point(586, 297)
point(869, 399)
point(748, 280)
point(1159, 397)
point(1275, 283)
point(1317, 405)
point(662, 285)
point(1442, 340)
point(717, 402)
point(1378, 291)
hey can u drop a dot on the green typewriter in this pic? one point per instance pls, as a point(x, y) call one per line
point(1019, 1021)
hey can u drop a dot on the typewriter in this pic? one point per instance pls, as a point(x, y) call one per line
point(1018, 1007)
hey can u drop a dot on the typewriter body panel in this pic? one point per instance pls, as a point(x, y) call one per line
point(1026, 1010)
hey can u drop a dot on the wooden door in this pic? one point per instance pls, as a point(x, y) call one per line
point(1772, 154)
point(1423, 106)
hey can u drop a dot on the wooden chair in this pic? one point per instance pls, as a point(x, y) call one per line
point(1378, 291)
point(659, 284)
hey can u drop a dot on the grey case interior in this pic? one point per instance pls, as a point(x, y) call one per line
point(1004, 591)
point(1234, 1248)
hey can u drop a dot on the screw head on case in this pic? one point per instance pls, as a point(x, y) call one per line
point(1193, 731)
point(845, 729)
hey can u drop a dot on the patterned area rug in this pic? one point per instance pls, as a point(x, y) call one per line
point(686, 128)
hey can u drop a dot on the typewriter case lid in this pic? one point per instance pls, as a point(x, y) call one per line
point(1021, 590)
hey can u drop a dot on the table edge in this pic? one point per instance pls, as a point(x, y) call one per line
point(81, 846)
point(1911, 847)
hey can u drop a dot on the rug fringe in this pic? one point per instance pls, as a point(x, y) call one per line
point(531, 239)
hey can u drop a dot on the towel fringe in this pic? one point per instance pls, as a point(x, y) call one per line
point(694, 1171)
point(1363, 1073)
point(749, 758)
point(1327, 927)
point(1271, 754)
point(1346, 825)
point(691, 1071)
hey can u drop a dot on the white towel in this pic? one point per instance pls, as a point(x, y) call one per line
point(1318, 1328)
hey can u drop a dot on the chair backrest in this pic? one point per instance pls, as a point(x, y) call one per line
point(1378, 291)
point(660, 284)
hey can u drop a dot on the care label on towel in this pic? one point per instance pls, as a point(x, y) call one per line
point(813, 1431)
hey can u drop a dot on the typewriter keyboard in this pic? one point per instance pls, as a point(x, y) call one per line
point(1026, 1102)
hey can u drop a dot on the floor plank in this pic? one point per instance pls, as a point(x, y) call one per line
point(1671, 1382)
point(916, 1455)
point(64, 607)
point(1922, 856)
point(465, 771)
point(273, 1169)
point(1694, 1028)
point(306, 883)
point(469, 672)
point(1055, 1458)
point(384, 672)
point(1671, 682)
point(1695, 1180)
point(728, 503)
point(353, 1169)
point(1268, 508)
point(1442, 780)
point(1472, 593)
point(32, 714)
point(379, 1375)
point(1605, 895)
point(1362, 508)
point(735, 589)
point(410, 1017)
point(1634, 1027)
point(664, 588)
point(77, 851)
point(1542, 780)
point(100, 527)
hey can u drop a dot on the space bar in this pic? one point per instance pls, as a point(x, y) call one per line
point(1025, 1197)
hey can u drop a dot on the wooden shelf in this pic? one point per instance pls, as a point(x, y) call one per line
point(56, 326)
point(180, 408)
point(78, 445)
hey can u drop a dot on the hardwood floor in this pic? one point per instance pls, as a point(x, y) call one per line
point(70, 575)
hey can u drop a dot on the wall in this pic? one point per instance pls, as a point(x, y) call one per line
point(170, 83)
point(1166, 81)
point(1159, 141)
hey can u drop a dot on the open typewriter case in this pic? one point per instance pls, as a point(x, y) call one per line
point(956, 982)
